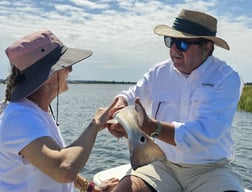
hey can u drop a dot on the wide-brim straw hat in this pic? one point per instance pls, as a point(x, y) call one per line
point(38, 56)
point(193, 24)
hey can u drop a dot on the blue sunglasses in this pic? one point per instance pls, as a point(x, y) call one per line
point(181, 44)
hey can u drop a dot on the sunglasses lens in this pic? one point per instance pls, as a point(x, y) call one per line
point(168, 42)
point(180, 44)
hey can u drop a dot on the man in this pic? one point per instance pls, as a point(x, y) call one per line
point(191, 99)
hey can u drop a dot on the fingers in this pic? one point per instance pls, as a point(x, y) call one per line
point(137, 100)
point(103, 114)
point(116, 105)
point(119, 105)
point(109, 184)
point(144, 124)
point(114, 102)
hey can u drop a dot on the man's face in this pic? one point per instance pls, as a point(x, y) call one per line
point(188, 60)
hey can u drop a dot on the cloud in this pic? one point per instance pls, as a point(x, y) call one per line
point(119, 32)
point(90, 4)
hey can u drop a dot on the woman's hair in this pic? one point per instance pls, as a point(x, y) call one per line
point(15, 77)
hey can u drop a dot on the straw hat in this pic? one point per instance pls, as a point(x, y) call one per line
point(38, 56)
point(193, 24)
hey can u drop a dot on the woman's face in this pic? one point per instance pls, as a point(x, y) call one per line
point(63, 76)
point(58, 81)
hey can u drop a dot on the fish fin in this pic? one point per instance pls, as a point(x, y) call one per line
point(112, 121)
point(143, 156)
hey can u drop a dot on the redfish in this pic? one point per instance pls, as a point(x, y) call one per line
point(143, 150)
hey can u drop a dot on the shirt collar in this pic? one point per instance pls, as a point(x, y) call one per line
point(202, 69)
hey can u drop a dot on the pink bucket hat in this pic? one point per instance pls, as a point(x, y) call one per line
point(38, 56)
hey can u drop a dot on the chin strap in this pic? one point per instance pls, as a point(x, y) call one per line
point(51, 110)
point(57, 104)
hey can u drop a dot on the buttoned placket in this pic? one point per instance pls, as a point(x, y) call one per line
point(186, 93)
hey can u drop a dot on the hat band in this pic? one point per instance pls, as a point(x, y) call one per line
point(190, 27)
point(46, 62)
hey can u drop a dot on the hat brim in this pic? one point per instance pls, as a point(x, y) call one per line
point(70, 57)
point(165, 30)
point(36, 79)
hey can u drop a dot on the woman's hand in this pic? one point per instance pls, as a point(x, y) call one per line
point(106, 186)
point(103, 114)
point(146, 125)
point(116, 129)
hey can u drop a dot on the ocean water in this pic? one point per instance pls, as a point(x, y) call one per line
point(79, 104)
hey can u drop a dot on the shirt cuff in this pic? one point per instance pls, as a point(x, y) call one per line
point(178, 135)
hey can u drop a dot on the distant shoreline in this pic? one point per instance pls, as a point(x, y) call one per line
point(2, 81)
point(99, 82)
point(90, 82)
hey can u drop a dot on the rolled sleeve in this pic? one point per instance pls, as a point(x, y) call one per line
point(179, 133)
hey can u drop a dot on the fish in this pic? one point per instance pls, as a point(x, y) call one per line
point(142, 148)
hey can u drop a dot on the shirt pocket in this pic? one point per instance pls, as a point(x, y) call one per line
point(201, 99)
point(203, 94)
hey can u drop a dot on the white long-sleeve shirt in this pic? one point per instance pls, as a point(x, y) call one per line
point(200, 105)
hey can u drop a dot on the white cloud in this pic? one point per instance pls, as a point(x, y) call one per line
point(119, 32)
point(90, 4)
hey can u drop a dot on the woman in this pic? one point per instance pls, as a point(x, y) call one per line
point(33, 155)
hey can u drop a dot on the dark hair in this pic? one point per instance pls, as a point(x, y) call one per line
point(14, 78)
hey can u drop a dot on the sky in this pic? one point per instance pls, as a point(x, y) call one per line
point(120, 32)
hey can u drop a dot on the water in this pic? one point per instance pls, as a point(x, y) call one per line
point(78, 105)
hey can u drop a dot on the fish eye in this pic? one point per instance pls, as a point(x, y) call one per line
point(142, 139)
